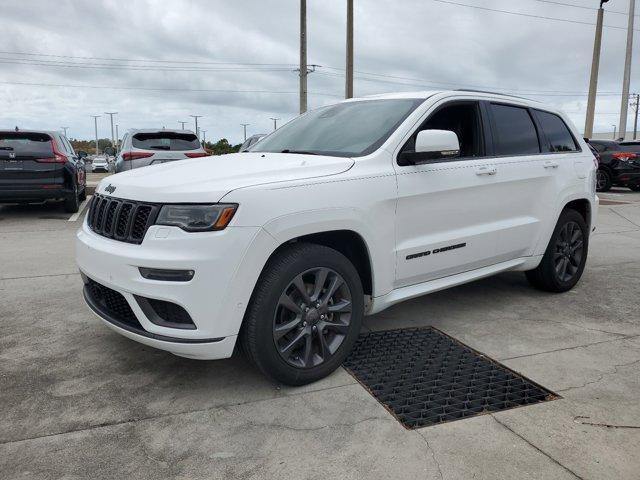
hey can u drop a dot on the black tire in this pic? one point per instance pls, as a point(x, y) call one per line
point(635, 188)
point(72, 202)
point(603, 180)
point(550, 275)
point(258, 336)
point(83, 194)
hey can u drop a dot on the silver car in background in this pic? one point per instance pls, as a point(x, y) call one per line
point(150, 147)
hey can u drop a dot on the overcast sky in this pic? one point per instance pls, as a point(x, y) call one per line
point(399, 45)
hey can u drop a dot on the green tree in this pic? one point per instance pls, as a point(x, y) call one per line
point(221, 147)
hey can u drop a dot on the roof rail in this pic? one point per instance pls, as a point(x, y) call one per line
point(494, 93)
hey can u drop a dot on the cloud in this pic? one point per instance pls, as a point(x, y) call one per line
point(415, 44)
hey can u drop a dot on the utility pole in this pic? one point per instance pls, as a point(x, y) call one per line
point(595, 69)
point(113, 140)
point(245, 125)
point(627, 71)
point(182, 123)
point(275, 124)
point(348, 91)
point(64, 129)
point(636, 105)
point(303, 56)
point(196, 117)
point(95, 123)
point(117, 138)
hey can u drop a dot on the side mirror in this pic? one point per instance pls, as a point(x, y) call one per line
point(82, 154)
point(432, 145)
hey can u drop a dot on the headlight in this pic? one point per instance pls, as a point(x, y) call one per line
point(197, 218)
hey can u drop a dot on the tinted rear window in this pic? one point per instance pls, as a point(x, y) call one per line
point(516, 134)
point(165, 141)
point(557, 133)
point(30, 144)
point(630, 148)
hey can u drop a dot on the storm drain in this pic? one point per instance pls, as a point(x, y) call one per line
point(425, 377)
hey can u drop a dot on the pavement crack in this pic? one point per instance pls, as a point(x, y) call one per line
point(600, 377)
point(625, 218)
point(433, 454)
point(586, 345)
point(579, 418)
point(281, 426)
point(537, 448)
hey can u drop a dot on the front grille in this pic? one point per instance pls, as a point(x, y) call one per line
point(122, 220)
point(112, 303)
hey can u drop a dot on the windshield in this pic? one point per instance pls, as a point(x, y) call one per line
point(350, 129)
point(165, 141)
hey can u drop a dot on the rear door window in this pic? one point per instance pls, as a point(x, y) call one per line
point(515, 132)
point(165, 141)
point(558, 135)
point(19, 144)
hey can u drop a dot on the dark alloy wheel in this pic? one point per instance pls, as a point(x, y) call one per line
point(305, 314)
point(565, 257)
point(568, 251)
point(603, 180)
point(312, 317)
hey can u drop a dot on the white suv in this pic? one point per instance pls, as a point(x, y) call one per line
point(141, 148)
point(341, 213)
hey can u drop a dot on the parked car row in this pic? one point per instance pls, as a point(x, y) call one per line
point(618, 164)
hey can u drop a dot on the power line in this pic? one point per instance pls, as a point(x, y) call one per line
point(578, 6)
point(195, 90)
point(521, 14)
point(47, 63)
point(143, 59)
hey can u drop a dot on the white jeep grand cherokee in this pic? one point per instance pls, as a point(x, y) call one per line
point(341, 213)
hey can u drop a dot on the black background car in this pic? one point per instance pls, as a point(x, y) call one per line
point(619, 164)
point(36, 166)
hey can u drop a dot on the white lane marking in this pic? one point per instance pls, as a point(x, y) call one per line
point(75, 216)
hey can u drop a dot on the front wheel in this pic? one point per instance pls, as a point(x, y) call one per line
point(603, 180)
point(566, 255)
point(305, 314)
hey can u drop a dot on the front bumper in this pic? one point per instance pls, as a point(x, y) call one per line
point(215, 298)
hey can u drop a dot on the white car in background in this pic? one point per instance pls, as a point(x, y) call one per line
point(342, 212)
point(101, 163)
point(151, 147)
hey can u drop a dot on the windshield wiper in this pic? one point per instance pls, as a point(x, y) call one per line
point(302, 152)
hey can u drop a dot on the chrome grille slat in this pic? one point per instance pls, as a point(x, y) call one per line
point(122, 220)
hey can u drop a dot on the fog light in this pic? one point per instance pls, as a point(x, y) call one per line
point(166, 275)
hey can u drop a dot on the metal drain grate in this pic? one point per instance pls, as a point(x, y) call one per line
point(425, 377)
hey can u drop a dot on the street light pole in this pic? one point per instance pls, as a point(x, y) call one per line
point(117, 138)
point(275, 124)
point(111, 114)
point(614, 131)
point(204, 137)
point(182, 123)
point(196, 117)
point(636, 107)
point(624, 109)
point(303, 56)
point(245, 125)
point(95, 124)
point(595, 69)
point(65, 130)
point(348, 92)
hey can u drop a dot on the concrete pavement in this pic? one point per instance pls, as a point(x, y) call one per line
point(80, 401)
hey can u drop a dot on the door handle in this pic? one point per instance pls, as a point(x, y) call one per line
point(550, 164)
point(486, 171)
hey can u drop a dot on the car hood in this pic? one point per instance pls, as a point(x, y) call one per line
point(208, 179)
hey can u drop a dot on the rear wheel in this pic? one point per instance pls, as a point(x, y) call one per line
point(635, 188)
point(72, 202)
point(83, 195)
point(305, 314)
point(603, 180)
point(566, 255)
